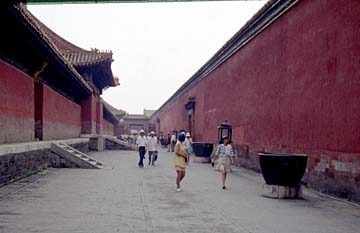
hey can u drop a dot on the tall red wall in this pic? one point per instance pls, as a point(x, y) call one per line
point(16, 105)
point(295, 87)
point(61, 118)
point(108, 128)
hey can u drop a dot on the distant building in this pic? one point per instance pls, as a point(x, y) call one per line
point(133, 123)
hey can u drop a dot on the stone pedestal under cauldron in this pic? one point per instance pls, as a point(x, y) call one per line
point(202, 151)
point(282, 174)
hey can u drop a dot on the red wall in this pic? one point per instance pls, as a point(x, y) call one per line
point(88, 115)
point(99, 117)
point(108, 128)
point(61, 118)
point(17, 105)
point(174, 117)
point(295, 87)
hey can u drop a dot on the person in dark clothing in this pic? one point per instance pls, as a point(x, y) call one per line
point(141, 142)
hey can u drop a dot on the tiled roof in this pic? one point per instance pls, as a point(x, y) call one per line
point(73, 54)
point(114, 110)
point(36, 25)
point(136, 116)
point(76, 55)
point(88, 57)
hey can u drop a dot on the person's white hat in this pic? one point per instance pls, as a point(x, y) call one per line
point(187, 134)
point(152, 132)
point(142, 131)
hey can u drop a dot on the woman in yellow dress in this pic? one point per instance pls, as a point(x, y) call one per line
point(180, 158)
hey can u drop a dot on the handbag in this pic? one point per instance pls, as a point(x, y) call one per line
point(189, 150)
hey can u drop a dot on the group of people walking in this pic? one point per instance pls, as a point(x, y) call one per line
point(182, 148)
point(147, 143)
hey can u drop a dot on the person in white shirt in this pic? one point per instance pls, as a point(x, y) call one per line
point(152, 148)
point(141, 143)
point(173, 142)
point(188, 146)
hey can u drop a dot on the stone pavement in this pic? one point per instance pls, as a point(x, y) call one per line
point(124, 198)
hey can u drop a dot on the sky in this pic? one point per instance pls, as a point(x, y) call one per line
point(156, 47)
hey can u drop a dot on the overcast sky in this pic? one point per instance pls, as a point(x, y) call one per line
point(156, 46)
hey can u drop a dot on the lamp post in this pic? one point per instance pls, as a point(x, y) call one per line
point(224, 129)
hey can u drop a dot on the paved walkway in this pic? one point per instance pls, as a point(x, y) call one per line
point(125, 198)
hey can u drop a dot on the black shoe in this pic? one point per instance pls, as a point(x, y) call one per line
point(224, 187)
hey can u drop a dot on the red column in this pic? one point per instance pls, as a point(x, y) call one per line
point(88, 115)
point(99, 117)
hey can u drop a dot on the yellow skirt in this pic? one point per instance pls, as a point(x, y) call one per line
point(179, 163)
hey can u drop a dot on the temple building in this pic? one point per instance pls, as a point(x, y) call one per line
point(50, 88)
point(287, 81)
point(50, 93)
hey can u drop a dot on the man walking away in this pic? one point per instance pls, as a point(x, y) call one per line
point(152, 148)
point(173, 142)
point(168, 142)
point(141, 143)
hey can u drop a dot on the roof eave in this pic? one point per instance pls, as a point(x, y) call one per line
point(109, 113)
point(26, 17)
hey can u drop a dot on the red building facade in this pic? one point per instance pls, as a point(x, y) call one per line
point(17, 105)
point(288, 81)
point(52, 123)
point(50, 88)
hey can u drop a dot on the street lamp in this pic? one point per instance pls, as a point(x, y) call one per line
point(224, 129)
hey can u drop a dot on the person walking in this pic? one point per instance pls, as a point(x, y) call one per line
point(188, 146)
point(173, 142)
point(179, 161)
point(226, 158)
point(141, 144)
point(168, 142)
point(152, 148)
